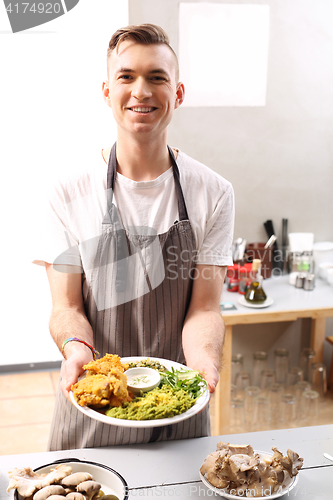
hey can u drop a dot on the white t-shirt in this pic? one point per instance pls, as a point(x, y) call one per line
point(78, 205)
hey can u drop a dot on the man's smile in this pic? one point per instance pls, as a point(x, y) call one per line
point(142, 109)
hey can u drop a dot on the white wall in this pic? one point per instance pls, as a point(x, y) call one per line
point(279, 157)
point(52, 111)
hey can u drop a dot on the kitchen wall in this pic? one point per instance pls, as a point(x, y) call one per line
point(52, 116)
point(279, 157)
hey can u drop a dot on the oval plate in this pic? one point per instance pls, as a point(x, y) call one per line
point(288, 484)
point(199, 405)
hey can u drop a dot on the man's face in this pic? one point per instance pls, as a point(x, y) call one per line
point(142, 89)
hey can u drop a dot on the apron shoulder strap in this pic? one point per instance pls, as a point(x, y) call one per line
point(182, 210)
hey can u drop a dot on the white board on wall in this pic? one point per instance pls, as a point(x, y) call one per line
point(223, 53)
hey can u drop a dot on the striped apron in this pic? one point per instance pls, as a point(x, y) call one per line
point(138, 295)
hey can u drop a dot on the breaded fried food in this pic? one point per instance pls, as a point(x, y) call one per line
point(104, 365)
point(93, 391)
point(105, 383)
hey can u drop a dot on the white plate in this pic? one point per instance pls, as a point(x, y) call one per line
point(268, 302)
point(199, 405)
point(112, 483)
point(288, 484)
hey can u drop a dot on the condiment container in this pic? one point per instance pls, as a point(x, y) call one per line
point(300, 280)
point(309, 282)
point(255, 293)
point(244, 277)
point(233, 278)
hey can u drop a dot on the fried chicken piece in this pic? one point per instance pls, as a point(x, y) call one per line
point(100, 390)
point(93, 391)
point(104, 365)
point(118, 383)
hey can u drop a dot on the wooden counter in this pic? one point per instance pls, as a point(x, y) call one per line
point(290, 303)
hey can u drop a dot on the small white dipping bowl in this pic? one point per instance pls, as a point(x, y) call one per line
point(142, 379)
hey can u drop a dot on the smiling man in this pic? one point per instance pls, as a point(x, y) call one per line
point(149, 232)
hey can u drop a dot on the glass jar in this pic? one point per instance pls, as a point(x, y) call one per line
point(255, 292)
point(259, 364)
point(236, 366)
point(281, 365)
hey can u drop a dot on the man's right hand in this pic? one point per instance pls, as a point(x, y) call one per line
point(72, 368)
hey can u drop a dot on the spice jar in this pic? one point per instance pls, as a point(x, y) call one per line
point(244, 277)
point(233, 278)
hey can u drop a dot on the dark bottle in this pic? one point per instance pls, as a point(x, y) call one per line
point(255, 292)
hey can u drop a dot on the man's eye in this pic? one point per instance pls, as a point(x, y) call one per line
point(125, 77)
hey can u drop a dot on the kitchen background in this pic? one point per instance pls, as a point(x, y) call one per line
point(277, 154)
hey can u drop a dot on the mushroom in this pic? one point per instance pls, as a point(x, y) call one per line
point(88, 488)
point(56, 497)
point(26, 481)
point(75, 495)
point(52, 489)
point(247, 473)
point(235, 449)
point(75, 479)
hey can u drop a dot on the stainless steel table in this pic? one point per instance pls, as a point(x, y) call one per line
point(171, 469)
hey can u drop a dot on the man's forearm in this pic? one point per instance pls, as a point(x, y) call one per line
point(203, 339)
point(70, 322)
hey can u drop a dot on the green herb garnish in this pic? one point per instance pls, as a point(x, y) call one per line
point(189, 380)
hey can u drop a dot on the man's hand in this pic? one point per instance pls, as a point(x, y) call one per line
point(68, 320)
point(72, 368)
point(211, 375)
point(203, 332)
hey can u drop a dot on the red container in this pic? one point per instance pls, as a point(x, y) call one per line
point(233, 271)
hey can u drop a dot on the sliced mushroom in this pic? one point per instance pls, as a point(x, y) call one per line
point(75, 479)
point(44, 493)
point(88, 488)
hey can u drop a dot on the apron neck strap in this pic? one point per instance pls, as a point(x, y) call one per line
point(111, 178)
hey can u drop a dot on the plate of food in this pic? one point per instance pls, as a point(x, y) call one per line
point(238, 470)
point(69, 478)
point(103, 393)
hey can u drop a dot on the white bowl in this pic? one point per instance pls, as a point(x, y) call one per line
point(323, 268)
point(329, 276)
point(112, 483)
point(142, 379)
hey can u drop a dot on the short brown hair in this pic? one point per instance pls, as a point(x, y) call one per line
point(146, 34)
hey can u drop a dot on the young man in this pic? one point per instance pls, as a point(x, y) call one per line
point(145, 235)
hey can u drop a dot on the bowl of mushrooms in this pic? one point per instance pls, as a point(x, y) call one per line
point(239, 471)
point(72, 479)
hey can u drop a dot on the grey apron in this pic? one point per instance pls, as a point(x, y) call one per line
point(136, 307)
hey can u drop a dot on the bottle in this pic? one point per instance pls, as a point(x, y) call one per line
point(255, 292)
